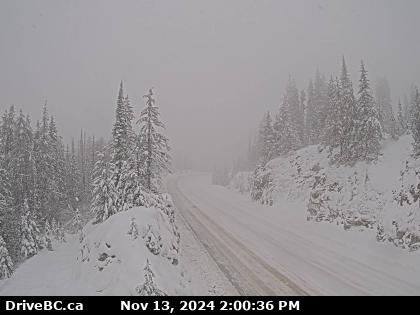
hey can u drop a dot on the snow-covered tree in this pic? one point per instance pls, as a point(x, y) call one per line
point(415, 122)
point(149, 287)
point(152, 152)
point(317, 103)
point(368, 132)
point(29, 233)
point(402, 124)
point(104, 195)
point(6, 264)
point(122, 144)
point(384, 107)
point(294, 113)
point(285, 134)
point(48, 235)
point(78, 223)
point(333, 131)
point(266, 139)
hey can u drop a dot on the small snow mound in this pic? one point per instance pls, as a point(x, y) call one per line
point(114, 253)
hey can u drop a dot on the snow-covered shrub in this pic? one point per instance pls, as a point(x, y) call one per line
point(261, 186)
point(149, 288)
point(6, 264)
point(110, 254)
point(402, 227)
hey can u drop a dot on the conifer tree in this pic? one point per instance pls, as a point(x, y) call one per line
point(295, 115)
point(122, 145)
point(29, 233)
point(153, 147)
point(149, 287)
point(48, 235)
point(401, 119)
point(368, 132)
point(415, 121)
point(104, 199)
point(347, 115)
point(6, 264)
point(266, 139)
point(334, 128)
point(384, 107)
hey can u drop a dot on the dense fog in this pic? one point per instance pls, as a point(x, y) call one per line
point(216, 66)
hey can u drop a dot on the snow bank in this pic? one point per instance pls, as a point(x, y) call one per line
point(367, 195)
point(117, 255)
point(240, 182)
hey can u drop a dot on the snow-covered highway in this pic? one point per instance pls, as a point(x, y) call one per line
point(274, 250)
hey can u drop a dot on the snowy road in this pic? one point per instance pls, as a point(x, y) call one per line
point(274, 250)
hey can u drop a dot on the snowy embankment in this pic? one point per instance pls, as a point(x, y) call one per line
point(381, 195)
point(134, 252)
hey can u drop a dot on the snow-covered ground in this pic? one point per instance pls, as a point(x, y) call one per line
point(112, 261)
point(276, 250)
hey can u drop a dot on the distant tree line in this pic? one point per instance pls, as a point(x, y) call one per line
point(349, 124)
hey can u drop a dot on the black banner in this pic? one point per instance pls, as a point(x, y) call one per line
point(206, 304)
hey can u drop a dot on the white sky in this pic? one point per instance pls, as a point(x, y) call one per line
point(216, 65)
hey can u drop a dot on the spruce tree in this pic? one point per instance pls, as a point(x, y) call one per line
point(296, 118)
point(266, 139)
point(6, 264)
point(333, 130)
point(122, 145)
point(415, 121)
point(368, 132)
point(153, 147)
point(402, 125)
point(104, 195)
point(29, 233)
point(21, 166)
point(347, 116)
point(384, 107)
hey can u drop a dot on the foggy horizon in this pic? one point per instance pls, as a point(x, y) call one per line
point(213, 65)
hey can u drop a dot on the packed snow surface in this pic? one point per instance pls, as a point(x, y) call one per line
point(317, 257)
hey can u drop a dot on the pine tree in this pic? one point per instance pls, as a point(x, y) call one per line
point(9, 218)
point(346, 113)
point(286, 130)
point(48, 235)
point(78, 223)
point(384, 107)
point(295, 115)
point(153, 148)
point(104, 199)
point(43, 159)
point(333, 131)
point(149, 287)
point(122, 145)
point(402, 125)
point(29, 233)
point(6, 264)
point(266, 139)
point(368, 132)
point(304, 111)
point(21, 166)
point(415, 122)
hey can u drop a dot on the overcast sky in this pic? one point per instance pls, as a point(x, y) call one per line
point(216, 66)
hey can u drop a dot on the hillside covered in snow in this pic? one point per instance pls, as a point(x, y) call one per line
point(380, 195)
